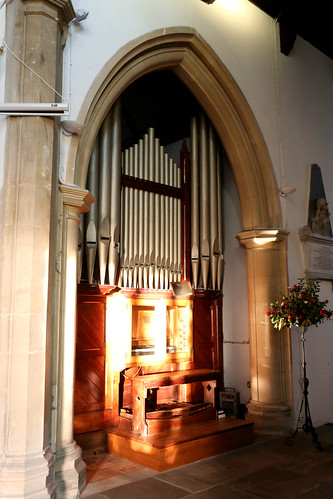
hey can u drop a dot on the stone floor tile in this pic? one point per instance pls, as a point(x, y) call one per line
point(103, 485)
point(150, 488)
point(222, 492)
point(274, 482)
point(200, 475)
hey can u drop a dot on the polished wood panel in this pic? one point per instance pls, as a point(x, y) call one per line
point(170, 449)
point(90, 411)
point(207, 330)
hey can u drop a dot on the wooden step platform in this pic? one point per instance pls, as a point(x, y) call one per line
point(170, 449)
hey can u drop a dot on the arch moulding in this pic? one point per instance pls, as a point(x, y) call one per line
point(183, 51)
point(193, 61)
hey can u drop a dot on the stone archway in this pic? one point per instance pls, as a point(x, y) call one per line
point(192, 60)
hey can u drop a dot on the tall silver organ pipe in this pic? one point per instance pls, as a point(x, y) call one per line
point(104, 195)
point(151, 177)
point(136, 230)
point(204, 201)
point(115, 192)
point(146, 212)
point(125, 222)
point(131, 221)
point(80, 250)
point(220, 215)
point(195, 208)
point(91, 217)
point(167, 225)
point(157, 238)
point(214, 246)
point(141, 215)
point(162, 220)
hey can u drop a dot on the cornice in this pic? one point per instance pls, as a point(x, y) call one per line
point(65, 9)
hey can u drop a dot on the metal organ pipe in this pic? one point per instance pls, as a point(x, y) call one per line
point(136, 233)
point(175, 226)
point(162, 220)
point(146, 211)
point(151, 177)
point(167, 225)
point(115, 193)
point(125, 222)
point(204, 202)
point(220, 216)
point(171, 224)
point(213, 207)
point(80, 249)
point(179, 229)
point(104, 195)
point(141, 217)
point(195, 233)
point(91, 217)
point(157, 239)
point(131, 221)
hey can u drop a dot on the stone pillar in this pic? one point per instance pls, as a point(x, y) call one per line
point(270, 364)
point(70, 470)
point(29, 171)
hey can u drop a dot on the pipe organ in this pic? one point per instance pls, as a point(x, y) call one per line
point(134, 233)
point(154, 223)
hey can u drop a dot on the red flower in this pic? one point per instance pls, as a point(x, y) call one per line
point(268, 313)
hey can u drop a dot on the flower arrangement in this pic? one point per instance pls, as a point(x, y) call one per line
point(301, 308)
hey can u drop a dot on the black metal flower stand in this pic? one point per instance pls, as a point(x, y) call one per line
point(304, 421)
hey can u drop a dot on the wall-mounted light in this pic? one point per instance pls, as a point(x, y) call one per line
point(80, 15)
point(70, 126)
point(208, 1)
point(284, 191)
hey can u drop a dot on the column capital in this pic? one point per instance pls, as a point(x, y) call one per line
point(78, 198)
point(64, 7)
point(262, 238)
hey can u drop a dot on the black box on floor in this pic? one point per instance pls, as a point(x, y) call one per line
point(229, 402)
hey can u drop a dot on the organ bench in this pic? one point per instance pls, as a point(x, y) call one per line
point(140, 385)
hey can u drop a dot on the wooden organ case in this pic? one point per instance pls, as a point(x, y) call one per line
point(149, 359)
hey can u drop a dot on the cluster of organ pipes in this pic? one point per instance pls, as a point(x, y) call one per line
point(133, 235)
point(151, 250)
point(206, 205)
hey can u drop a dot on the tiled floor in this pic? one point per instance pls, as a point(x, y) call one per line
point(267, 469)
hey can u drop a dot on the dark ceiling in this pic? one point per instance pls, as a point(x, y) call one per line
point(160, 100)
point(309, 19)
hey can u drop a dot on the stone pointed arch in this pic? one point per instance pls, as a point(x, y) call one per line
point(184, 52)
point(194, 62)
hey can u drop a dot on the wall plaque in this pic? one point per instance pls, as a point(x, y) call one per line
point(317, 254)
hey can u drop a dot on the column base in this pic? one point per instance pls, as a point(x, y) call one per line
point(70, 472)
point(268, 419)
point(28, 476)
